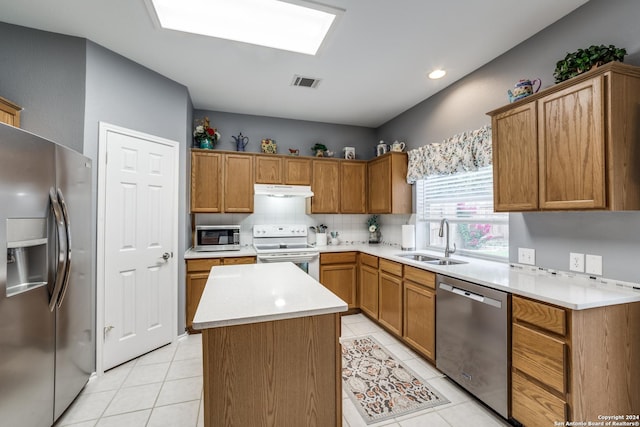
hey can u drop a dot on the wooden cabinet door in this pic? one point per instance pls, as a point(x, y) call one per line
point(571, 143)
point(195, 286)
point(325, 186)
point(353, 176)
point(297, 171)
point(515, 159)
point(420, 318)
point(369, 290)
point(390, 302)
point(379, 185)
point(341, 280)
point(238, 183)
point(9, 112)
point(206, 185)
point(268, 169)
point(532, 405)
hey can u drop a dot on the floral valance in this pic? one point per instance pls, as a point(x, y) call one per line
point(463, 152)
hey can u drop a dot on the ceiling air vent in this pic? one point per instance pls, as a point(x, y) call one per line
point(305, 82)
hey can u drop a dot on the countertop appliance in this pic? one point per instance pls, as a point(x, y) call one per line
point(286, 242)
point(211, 238)
point(472, 339)
point(47, 287)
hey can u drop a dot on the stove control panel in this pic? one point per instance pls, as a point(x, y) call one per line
point(280, 230)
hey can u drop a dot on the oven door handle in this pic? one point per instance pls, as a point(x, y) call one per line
point(287, 257)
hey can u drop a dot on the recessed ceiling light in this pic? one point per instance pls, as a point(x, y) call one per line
point(437, 74)
point(299, 27)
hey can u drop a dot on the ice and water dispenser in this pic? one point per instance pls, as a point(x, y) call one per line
point(26, 254)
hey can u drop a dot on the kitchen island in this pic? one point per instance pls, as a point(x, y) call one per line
point(271, 350)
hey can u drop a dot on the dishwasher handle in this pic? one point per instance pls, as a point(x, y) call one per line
point(471, 295)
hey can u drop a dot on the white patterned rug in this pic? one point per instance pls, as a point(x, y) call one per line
point(381, 387)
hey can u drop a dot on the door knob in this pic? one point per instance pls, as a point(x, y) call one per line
point(166, 256)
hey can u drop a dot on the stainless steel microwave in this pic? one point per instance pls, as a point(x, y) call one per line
point(217, 238)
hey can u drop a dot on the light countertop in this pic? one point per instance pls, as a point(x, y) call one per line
point(576, 293)
point(252, 293)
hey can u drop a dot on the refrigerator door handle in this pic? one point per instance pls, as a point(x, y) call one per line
point(67, 228)
point(62, 248)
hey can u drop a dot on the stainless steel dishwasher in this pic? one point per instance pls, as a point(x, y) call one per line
point(472, 339)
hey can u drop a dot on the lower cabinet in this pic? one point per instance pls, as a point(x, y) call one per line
point(338, 272)
point(368, 284)
point(419, 318)
point(197, 275)
point(390, 295)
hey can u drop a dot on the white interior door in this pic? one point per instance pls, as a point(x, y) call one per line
point(139, 241)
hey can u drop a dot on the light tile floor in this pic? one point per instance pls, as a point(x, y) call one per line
point(164, 388)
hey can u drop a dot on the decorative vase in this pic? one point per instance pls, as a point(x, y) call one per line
point(374, 237)
point(206, 143)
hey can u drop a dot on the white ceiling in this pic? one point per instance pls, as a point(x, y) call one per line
point(373, 64)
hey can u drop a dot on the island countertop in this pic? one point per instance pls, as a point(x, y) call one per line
point(252, 293)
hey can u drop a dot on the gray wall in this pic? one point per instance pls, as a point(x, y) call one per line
point(44, 73)
point(462, 106)
point(290, 133)
point(123, 93)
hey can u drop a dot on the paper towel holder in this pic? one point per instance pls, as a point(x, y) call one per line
point(408, 238)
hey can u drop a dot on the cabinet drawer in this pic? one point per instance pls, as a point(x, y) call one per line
point(338, 258)
point(534, 406)
point(370, 260)
point(391, 267)
point(203, 264)
point(544, 316)
point(419, 276)
point(239, 260)
point(540, 356)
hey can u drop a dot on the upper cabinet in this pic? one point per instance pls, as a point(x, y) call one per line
point(571, 146)
point(221, 182)
point(297, 171)
point(388, 190)
point(268, 170)
point(325, 185)
point(353, 187)
point(9, 112)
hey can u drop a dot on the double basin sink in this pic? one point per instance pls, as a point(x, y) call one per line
point(428, 259)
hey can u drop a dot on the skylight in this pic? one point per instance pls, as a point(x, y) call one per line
point(271, 23)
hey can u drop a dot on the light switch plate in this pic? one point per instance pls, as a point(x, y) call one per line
point(527, 256)
point(576, 262)
point(594, 265)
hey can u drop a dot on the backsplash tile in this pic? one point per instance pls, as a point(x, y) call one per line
point(270, 210)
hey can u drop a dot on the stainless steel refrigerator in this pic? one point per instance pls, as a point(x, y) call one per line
point(47, 336)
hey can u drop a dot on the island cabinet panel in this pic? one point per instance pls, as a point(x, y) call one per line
point(534, 406)
point(325, 186)
point(268, 169)
point(277, 373)
point(197, 275)
point(419, 311)
point(238, 183)
point(390, 296)
point(297, 171)
point(368, 284)
point(338, 272)
point(353, 187)
point(206, 185)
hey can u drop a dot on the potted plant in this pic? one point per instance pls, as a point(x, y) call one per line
point(584, 59)
point(374, 229)
point(319, 149)
point(204, 135)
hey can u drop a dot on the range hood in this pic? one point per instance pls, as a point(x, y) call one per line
point(277, 190)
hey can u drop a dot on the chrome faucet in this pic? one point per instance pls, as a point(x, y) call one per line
point(441, 233)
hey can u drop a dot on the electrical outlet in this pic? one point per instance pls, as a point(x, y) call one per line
point(527, 256)
point(576, 262)
point(593, 264)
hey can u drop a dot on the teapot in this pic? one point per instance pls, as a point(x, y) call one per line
point(523, 88)
point(398, 146)
point(381, 148)
point(241, 141)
